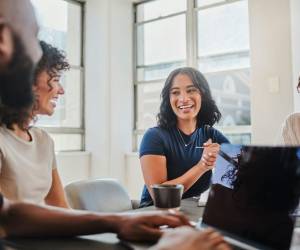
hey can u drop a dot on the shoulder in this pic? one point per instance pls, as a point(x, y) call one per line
point(153, 141)
point(293, 119)
point(291, 129)
point(217, 136)
point(2, 132)
point(156, 132)
point(4, 137)
point(41, 135)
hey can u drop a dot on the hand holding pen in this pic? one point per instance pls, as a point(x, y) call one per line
point(225, 156)
point(209, 154)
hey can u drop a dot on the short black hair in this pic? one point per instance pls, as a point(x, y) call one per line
point(53, 61)
point(209, 113)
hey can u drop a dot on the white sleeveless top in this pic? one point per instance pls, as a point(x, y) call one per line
point(26, 166)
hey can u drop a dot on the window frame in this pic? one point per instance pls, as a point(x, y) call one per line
point(191, 59)
point(81, 68)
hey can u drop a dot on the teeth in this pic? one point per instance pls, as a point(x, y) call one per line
point(54, 101)
point(185, 106)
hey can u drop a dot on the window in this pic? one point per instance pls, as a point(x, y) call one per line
point(211, 35)
point(224, 57)
point(160, 47)
point(65, 32)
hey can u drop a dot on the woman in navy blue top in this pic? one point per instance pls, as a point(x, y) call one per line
point(183, 148)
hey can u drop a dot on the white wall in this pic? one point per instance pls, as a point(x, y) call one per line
point(73, 166)
point(295, 21)
point(109, 95)
point(271, 59)
point(134, 181)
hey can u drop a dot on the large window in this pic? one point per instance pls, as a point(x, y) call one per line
point(61, 25)
point(211, 35)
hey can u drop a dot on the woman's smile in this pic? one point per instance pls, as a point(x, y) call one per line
point(185, 98)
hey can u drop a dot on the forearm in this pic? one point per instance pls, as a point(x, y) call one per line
point(59, 202)
point(24, 219)
point(189, 178)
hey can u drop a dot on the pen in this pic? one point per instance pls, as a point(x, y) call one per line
point(225, 156)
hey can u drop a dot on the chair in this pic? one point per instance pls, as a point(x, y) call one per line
point(100, 195)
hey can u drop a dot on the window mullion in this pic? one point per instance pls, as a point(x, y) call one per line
point(191, 34)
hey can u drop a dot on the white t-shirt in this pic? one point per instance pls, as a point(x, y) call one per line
point(26, 166)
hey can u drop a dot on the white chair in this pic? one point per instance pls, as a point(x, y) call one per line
point(101, 195)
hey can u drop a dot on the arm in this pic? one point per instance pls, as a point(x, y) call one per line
point(204, 240)
point(154, 168)
point(44, 221)
point(56, 196)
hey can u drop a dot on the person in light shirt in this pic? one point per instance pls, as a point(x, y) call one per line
point(28, 168)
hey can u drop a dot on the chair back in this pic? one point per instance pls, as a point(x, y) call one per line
point(101, 195)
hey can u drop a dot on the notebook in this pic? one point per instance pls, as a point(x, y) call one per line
point(255, 191)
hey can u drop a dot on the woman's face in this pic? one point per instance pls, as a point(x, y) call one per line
point(185, 98)
point(47, 91)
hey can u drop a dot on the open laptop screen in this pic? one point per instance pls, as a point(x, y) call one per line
point(254, 191)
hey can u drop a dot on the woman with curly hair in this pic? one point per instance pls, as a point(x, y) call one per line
point(183, 148)
point(28, 168)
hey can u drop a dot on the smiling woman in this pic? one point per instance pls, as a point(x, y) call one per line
point(27, 159)
point(184, 146)
point(47, 85)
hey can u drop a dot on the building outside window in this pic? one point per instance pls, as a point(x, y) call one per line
point(211, 35)
point(65, 31)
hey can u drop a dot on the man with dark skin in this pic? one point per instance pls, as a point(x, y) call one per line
point(19, 53)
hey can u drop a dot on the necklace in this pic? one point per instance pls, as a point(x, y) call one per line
point(183, 141)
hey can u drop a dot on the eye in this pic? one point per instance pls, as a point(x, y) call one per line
point(175, 92)
point(192, 90)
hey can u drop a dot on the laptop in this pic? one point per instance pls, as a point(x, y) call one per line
point(254, 195)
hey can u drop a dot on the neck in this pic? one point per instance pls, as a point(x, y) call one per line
point(23, 134)
point(187, 126)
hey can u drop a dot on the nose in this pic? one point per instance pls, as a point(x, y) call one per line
point(183, 97)
point(61, 90)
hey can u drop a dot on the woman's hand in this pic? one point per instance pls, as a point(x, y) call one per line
point(209, 155)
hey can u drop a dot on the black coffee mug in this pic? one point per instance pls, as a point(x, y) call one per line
point(167, 196)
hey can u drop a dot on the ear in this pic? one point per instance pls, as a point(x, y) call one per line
point(6, 44)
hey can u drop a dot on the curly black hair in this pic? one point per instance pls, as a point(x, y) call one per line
point(53, 61)
point(209, 113)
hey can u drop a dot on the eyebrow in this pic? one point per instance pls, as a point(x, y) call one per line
point(191, 86)
point(187, 87)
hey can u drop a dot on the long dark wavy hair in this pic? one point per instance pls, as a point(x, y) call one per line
point(209, 113)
